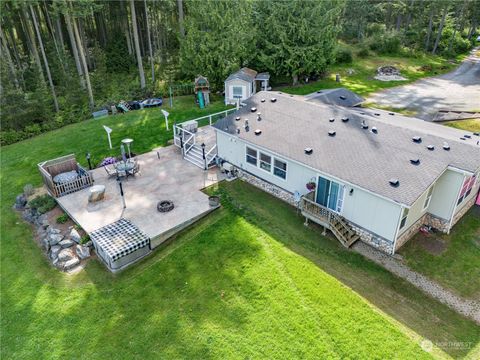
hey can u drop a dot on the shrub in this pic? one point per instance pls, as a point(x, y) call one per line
point(62, 219)
point(363, 52)
point(343, 56)
point(388, 43)
point(84, 239)
point(28, 190)
point(43, 203)
point(107, 161)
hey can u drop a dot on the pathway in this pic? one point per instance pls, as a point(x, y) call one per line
point(468, 308)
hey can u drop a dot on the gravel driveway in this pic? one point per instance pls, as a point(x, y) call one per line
point(457, 90)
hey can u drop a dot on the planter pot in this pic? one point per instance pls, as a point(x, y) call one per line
point(214, 201)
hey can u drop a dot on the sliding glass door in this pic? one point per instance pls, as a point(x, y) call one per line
point(330, 194)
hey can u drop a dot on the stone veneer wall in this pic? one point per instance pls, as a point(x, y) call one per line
point(372, 239)
point(466, 206)
point(268, 187)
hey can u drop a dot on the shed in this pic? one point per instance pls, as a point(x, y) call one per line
point(339, 96)
point(120, 244)
point(242, 84)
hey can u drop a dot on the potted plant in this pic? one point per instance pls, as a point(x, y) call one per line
point(311, 186)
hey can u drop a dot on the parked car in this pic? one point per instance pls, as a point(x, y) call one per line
point(153, 102)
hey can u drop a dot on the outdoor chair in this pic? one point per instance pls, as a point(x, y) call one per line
point(110, 172)
point(135, 170)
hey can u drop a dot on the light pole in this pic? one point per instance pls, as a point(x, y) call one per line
point(89, 162)
point(165, 114)
point(203, 155)
point(120, 185)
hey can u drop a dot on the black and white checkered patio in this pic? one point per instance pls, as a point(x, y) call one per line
point(119, 239)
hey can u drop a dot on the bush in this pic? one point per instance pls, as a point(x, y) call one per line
point(43, 203)
point(84, 239)
point(388, 43)
point(343, 56)
point(62, 219)
point(363, 52)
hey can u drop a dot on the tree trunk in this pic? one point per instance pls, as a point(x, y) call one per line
point(33, 43)
point(440, 30)
point(399, 22)
point(149, 39)
point(180, 18)
point(84, 63)
point(455, 28)
point(58, 25)
point(73, 44)
point(47, 68)
point(295, 79)
point(137, 45)
point(6, 51)
point(429, 31)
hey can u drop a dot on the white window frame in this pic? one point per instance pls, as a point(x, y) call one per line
point(403, 220)
point(241, 90)
point(276, 167)
point(260, 161)
point(426, 203)
point(247, 155)
point(341, 198)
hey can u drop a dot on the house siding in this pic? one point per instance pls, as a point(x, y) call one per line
point(247, 90)
point(445, 194)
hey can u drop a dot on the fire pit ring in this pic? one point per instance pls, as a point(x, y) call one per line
point(165, 206)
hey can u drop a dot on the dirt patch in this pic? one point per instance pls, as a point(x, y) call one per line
point(432, 244)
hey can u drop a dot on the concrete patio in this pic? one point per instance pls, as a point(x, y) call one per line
point(164, 175)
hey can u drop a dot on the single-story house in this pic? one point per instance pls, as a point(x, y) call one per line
point(376, 176)
point(242, 84)
point(338, 96)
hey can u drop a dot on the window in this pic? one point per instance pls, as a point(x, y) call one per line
point(404, 218)
point(237, 92)
point(265, 162)
point(466, 188)
point(280, 169)
point(428, 198)
point(251, 156)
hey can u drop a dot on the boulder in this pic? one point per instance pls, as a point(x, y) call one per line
point(20, 202)
point(89, 243)
point(75, 236)
point(83, 252)
point(52, 230)
point(97, 193)
point(45, 244)
point(66, 254)
point(70, 264)
point(54, 251)
point(54, 239)
point(29, 215)
point(66, 243)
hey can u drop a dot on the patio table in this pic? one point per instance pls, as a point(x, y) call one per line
point(65, 177)
point(124, 166)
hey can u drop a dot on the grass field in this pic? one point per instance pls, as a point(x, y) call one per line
point(362, 81)
point(458, 266)
point(472, 125)
point(239, 284)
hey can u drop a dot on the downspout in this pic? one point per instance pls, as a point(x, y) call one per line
point(402, 208)
point(456, 204)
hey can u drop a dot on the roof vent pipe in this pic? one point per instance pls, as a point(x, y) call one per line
point(394, 182)
point(258, 132)
point(308, 151)
point(446, 146)
point(415, 161)
point(417, 139)
point(374, 130)
point(273, 100)
point(345, 119)
point(332, 133)
point(237, 118)
point(431, 147)
point(331, 119)
point(253, 109)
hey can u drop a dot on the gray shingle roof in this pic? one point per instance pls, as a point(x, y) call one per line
point(356, 155)
point(340, 96)
point(244, 74)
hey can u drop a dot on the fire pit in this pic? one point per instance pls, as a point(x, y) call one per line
point(165, 206)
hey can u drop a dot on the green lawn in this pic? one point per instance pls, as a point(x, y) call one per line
point(361, 80)
point(458, 266)
point(472, 125)
point(239, 284)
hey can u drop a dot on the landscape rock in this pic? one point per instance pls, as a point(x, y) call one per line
point(97, 193)
point(70, 264)
point(20, 202)
point(54, 239)
point(83, 252)
point(29, 215)
point(66, 243)
point(75, 236)
point(66, 254)
point(52, 230)
point(89, 243)
point(45, 244)
point(54, 251)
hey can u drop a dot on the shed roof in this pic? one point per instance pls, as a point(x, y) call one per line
point(339, 96)
point(356, 155)
point(244, 73)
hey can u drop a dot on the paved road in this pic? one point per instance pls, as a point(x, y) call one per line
point(457, 90)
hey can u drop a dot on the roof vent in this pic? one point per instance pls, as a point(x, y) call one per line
point(417, 139)
point(415, 161)
point(376, 114)
point(342, 97)
point(394, 182)
point(446, 146)
point(331, 119)
point(332, 133)
point(259, 117)
point(237, 118)
point(476, 134)
point(263, 100)
point(253, 109)
point(362, 113)
point(247, 128)
point(390, 113)
point(258, 132)
point(273, 100)
point(431, 147)
point(364, 125)
point(345, 119)
point(467, 136)
point(238, 130)
point(308, 151)
point(319, 91)
point(462, 138)
point(374, 130)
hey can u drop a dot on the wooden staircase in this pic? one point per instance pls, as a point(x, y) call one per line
point(329, 219)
